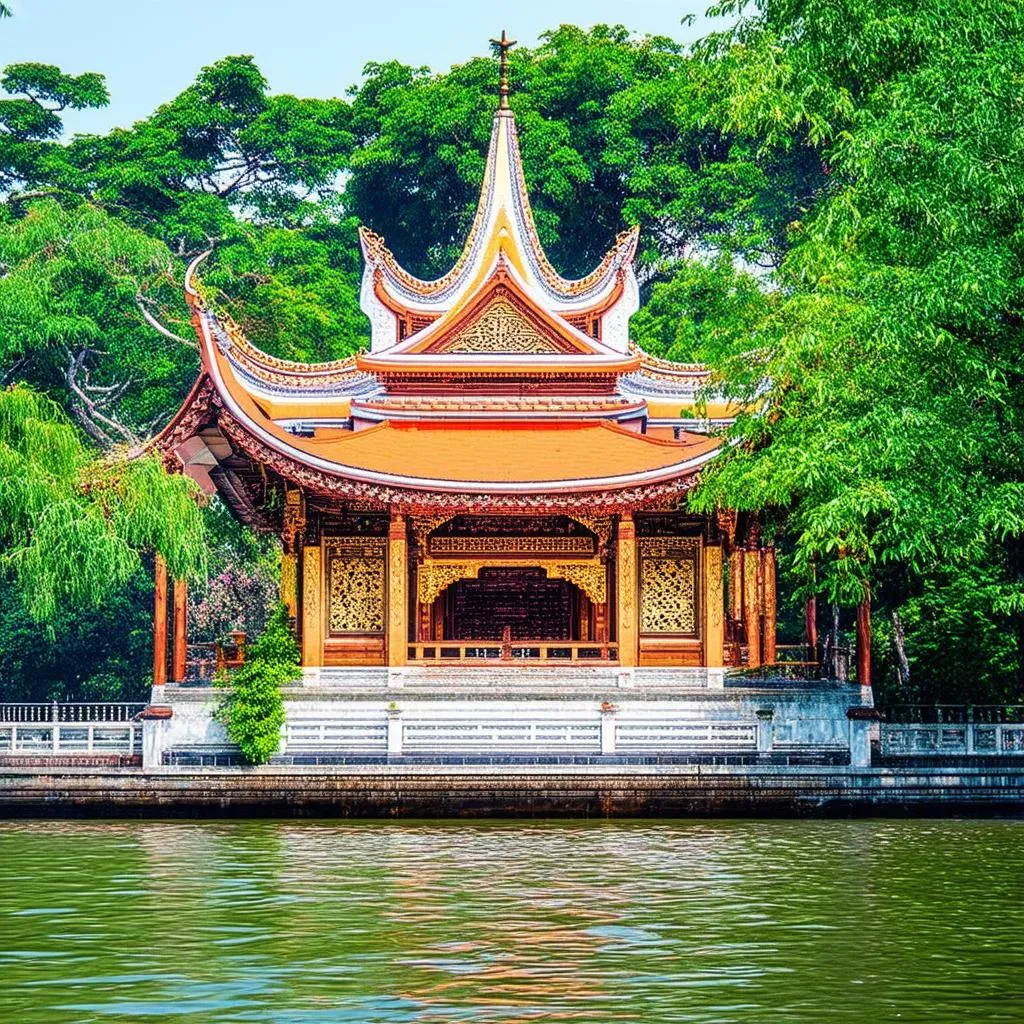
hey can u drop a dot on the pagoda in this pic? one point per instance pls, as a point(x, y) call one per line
point(500, 479)
point(485, 515)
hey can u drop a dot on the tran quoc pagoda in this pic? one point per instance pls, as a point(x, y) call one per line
point(484, 519)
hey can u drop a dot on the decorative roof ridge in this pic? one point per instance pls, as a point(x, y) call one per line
point(502, 276)
point(493, 195)
point(249, 356)
point(667, 365)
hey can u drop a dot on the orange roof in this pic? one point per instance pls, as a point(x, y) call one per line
point(511, 455)
point(483, 452)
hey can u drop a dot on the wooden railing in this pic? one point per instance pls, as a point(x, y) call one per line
point(799, 662)
point(518, 651)
point(205, 661)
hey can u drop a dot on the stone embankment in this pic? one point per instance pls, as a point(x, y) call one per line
point(523, 790)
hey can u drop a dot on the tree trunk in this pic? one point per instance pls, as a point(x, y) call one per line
point(900, 650)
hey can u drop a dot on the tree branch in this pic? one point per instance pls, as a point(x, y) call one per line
point(159, 327)
point(86, 410)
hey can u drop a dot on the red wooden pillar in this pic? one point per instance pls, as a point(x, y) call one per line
point(180, 631)
point(864, 638)
point(160, 622)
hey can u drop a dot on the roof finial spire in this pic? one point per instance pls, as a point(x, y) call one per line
point(503, 45)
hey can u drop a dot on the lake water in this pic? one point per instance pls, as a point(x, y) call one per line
point(310, 923)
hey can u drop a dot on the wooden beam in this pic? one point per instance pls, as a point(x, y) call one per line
point(160, 621)
point(398, 590)
point(864, 638)
point(290, 583)
point(180, 656)
point(736, 584)
point(811, 626)
point(627, 598)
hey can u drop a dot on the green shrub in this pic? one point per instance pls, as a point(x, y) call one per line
point(253, 711)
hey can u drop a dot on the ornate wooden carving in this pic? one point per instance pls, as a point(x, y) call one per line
point(714, 607)
point(398, 571)
point(355, 582)
point(626, 584)
point(434, 576)
point(668, 585)
point(501, 329)
point(312, 607)
point(294, 525)
point(511, 545)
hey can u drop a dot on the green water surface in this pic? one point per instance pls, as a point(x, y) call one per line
point(310, 923)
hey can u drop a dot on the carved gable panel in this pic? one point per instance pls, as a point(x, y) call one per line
point(501, 329)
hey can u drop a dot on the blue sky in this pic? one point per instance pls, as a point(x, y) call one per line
point(151, 49)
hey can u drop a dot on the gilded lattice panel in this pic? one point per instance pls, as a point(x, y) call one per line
point(512, 545)
point(668, 585)
point(501, 329)
point(355, 585)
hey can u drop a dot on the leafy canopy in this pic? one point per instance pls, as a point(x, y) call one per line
point(72, 528)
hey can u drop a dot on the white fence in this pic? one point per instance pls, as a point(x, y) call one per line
point(504, 727)
point(953, 729)
point(49, 729)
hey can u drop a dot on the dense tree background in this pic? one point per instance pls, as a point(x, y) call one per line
point(830, 198)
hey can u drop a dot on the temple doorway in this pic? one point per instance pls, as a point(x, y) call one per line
point(523, 600)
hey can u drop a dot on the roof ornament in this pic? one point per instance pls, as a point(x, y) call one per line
point(503, 45)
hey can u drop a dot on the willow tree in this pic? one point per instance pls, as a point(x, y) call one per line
point(74, 528)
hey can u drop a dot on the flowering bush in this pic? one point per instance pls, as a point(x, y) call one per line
point(238, 597)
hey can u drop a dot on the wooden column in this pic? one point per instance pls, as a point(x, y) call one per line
point(714, 608)
point(180, 631)
point(312, 606)
point(769, 609)
point(398, 590)
point(751, 609)
point(864, 639)
point(160, 622)
point(290, 584)
point(627, 605)
point(736, 584)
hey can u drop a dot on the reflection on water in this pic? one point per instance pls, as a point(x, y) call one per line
point(512, 922)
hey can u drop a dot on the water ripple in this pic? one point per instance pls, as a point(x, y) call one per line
point(502, 923)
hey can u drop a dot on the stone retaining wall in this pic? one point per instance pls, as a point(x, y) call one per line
point(509, 791)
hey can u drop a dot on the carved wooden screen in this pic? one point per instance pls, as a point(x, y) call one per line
point(669, 574)
point(355, 585)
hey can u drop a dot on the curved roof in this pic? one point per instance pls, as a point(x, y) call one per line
point(469, 455)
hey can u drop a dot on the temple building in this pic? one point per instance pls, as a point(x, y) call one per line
point(499, 482)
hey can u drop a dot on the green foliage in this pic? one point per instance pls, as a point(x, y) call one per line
point(30, 116)
point(101, 652)
point(253, 711)
point(72, 528)
point(72, 280)
point(893, 431)
point(704, 306)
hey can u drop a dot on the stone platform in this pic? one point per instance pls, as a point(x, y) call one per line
point(434, 714)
